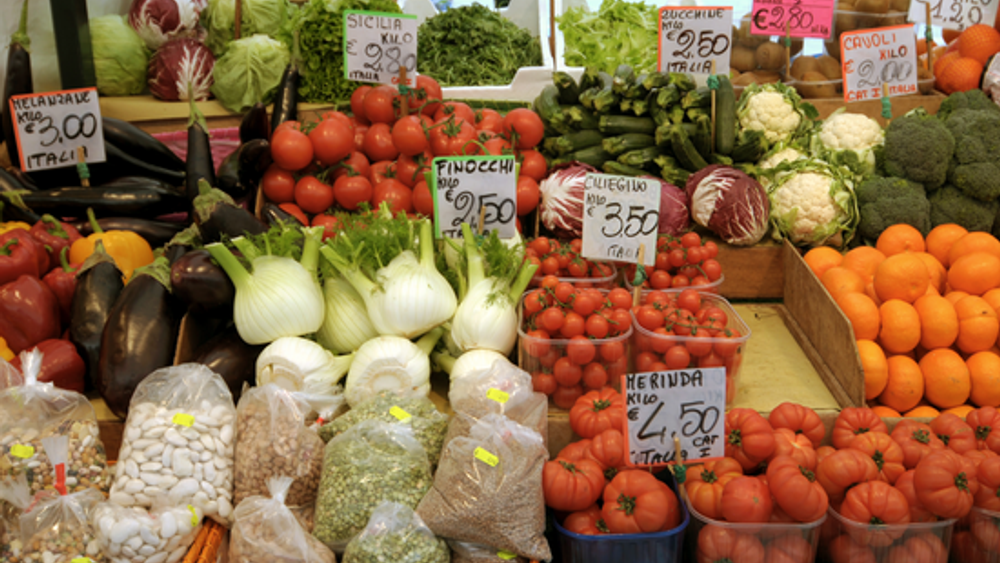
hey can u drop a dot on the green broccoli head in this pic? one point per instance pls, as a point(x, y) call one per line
point(886, 201)
point(972, 99)
point(980, 180)
point(918, 147)
point(950, 205)
point(976, 133)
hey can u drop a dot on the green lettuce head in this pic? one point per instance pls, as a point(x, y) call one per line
point(258, 16)
point(250, 71)
point(120, 56)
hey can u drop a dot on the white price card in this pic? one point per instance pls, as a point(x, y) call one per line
point(689, 404)
point(692, 37)
point(885, 55)
point(467, 187)
point(51, 126)
point(955, 14)
point(378, 44)
point(619, 214)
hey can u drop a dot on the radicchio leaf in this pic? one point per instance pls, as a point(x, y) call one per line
point(562, 199)
point(157, 21)
point(181, 70)
point(729, 203)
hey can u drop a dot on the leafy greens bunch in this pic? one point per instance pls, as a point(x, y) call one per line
point(621, 32)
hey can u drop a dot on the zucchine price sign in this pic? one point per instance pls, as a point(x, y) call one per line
point(376, 45)
point(692, 37)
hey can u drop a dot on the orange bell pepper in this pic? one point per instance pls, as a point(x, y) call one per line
point(129, 250)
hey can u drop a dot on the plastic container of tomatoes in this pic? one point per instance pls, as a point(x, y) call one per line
point(977, 538)
point(659, 547)
point(683, 347)
point(846, 541)
point(715, 540)
point(609, 281)
point(710, 287)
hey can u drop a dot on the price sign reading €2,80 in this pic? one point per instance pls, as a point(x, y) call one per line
point(619, 214)
point(692, 37)
point(802, 18)
point(465, 187)
point(378, 44)
point(870, 58)
point(955, 14)
point(51, 126)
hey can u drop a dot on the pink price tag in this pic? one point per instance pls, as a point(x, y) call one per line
point(802, 18)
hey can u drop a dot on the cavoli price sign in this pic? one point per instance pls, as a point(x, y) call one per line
point(50, 127)
point(802, 18)
point(378, 44)
point(619, 214)
point(466, 188)
point(692, 37)
point(956, 14)
point(689, 404)
point(886, 55)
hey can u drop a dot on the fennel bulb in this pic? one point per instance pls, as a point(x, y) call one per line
point(281, 296)
point(391, 363)
point(306, 369)
point(346, 325)
point(470, 363)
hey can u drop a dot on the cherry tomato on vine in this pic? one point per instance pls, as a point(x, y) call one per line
point(677, 357)
point(409, 137)
point(573, 325)
point(357, 163)
point(278, 184)
point(542, 382)
point(351, 191)
point(459, 110)
point(594, 376)
point(312, 195)
point(453, 137)
point(291, 149)
point(378, 104)
point(551, 320)
point(378, 143)
point(597, 326)
point(612, 351)
point(566, 371)
point(565, 397)
point(580, 350)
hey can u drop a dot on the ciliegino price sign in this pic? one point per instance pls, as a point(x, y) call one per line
point(955, 14)
point(692, 38)
point(377, 45)
point(873, 57)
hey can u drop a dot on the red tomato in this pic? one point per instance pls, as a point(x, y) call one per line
point(636, 502)
point(594, 376)
point(705, 484)
point(917, 440)
point(278, 184)
point(381, 171)
point(359, 136)
point(795, 489)
point(497, 146)
point(580, 349)
point(567, 372)
point(409, 136)
point(746, 499)
point(356, 164)
point(528, 195)
point(717, 544)
point(612, 351)
point(945, 485)
point(429, 93)
point(378, 143)
point(410, 170)
point(749, 437)
point(876, 502)
point(460, 110)
point(378, 107)
point(330, 224)
point(988, 476)
point(291, 124)
point(294, 211)
point(423, 200)
point(986, 423)
point(291, 149)
point(918, 512)
point(332, 141)
point(884, 451)
point(393, 192)
point(789, 548)
point(796, 446)
point(358, 102)
point(312, 195)
point(525, 125)
point(544, 383)
point(842, 470)
point(351, 191)
point(564, 397)
point(853, 421)
point(620, 298)
point(798, 419)
point(489, 120)
point(589, 522)
point(533, 165)
point(571, 485)
point(340, 117)
point(452, 137)
point(954, 432)
point(595, 412)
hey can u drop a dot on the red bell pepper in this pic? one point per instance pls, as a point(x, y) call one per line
point(29, 313)
point(62, 281)
point(61, 364)
point(54, 236)
point(17, 256)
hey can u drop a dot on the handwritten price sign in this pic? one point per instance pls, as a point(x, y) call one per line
point(619, 214)
point(809, 18)
point(956, 14)
point(870, 58)
point(51, 126)
point(692, 37)
point(688, 404)
point(377, 45)
point(464, 187)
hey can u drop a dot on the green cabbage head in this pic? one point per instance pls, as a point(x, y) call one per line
point(258, 16)
point(250, 71)
point(120, 56)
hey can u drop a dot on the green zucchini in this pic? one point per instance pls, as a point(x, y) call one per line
point(569, 90)
point(606, 100)
point(700, 97)
point(655, 80)
point(675, 175)
point(587, 97)
point(716, 158)
point(623, 78)
point(620, 124)
point(751, 144)
point(591, 78)
point(702, 137)
point(640, 107)
point(725, 116)
point(668, 96)
point(662, 135)
point(548, 103)
point(664, 159)
point(677, 114)
point(693, 114)
point(660, 115)
point(625, 106)
point(684, 150)
point(636, 90)
point(573, 142)
point(595, 156)
point(640, 157)
point(684, 82)
point(627, 142)
point(613, 167)
point(581, 117)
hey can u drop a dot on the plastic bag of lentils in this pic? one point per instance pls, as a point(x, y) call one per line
point(395, 533)
point(502, 389)
point(273, 440)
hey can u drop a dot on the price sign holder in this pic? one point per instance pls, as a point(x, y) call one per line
point(691, 37)
point(377, 44)
point(954, 14)
point(50, 128)
point(620, 213)
point(799, 18)
point(872, 57)
point(478, 190)
point(689, 405)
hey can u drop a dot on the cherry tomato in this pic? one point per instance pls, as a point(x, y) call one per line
point(551, 320)
point(662, 341)
point(378, 106)
point(378, 143)
point(423, 200)
point(594, 376)
point(659, 279)
point(694, 255)
point(584, 305)
point(566, 371)
point(565, 397)
point(727, 344)
point(573, 325)
point(621, 321)
point(332, 141)
point(356, 164)
point(540, 245)
point(581, 350)
point(649, 317)
point(351, 191)
point(535, 301)
point(577, 268)
point(537, 343)
point(549, 282)
point(691, 239)
point(525, 125)
point(291, 149)
point(527, 195)
point(550, 266)
point(677, 357)
point(409, 137)
point(393, 192)
point(550, 357)
point(612, 351)
point(700, 343)
point(330, 224)
point(533, 165)
point(431, 94)
point(689, 299)
point(597, 326)
point(711, 360)
point(711, 249)
point(680, 280)
point(489, 120)
point(620, 298)
point(565, 292)
point(460, 110)
point(453, 138)
point(543, 382)
point(278, 184)
point(644, 360)
point(358, 102)
point(712, 269)
point(312, 195)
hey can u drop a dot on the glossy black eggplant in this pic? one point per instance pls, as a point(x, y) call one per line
point(156, 233)
point(140, 144)
point(118, 163)
point(218, 216)
point(241, 171)
point(202, 285)
point(98, 285)
point(199, 160)
point(229, 356)
point(286, 102)
point(17, 81)
point(107, 201)
point(10, 182)
point(272, 215)
point(255, 124)
point(140, 335)
point(227, 177)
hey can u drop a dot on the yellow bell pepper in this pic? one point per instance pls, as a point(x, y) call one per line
point(129, 250)
point(5, 351)
point(11, 225)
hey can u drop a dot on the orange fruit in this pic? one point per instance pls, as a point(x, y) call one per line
point(978, 325)
point(954, 296)
point(885, 412)
point(863, 314)
point(839, 280)
point(946, 378)
point(901, 276)
point(950, 35)
point(975, 273)
point(959, 75)
point(938, 274)
point(984, 372)
point(875, 367)
point(938, 321)
point(993, 298)
point(922, 411)
point(979, 42)
point(943, 61)
point(905, 385)
point(822, 258)
point(863, 260)
point(900, 332)
point(900, 238)
point(941, 238)
point(973, 242)
point(961, 411)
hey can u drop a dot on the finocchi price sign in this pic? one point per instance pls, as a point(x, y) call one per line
point(691, 38)
point(800, 18)
point(871, 58)
point(51, 127)
point(466, 188)
point(619, 214)
point(956, 14)
point(376, 45)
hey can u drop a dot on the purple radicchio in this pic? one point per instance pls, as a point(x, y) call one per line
point(562, 199)
point(729, 203)
point(675, 216)
point(158, 21)
point(181, 70)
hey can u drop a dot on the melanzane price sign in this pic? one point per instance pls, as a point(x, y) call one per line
point(801, 18)
point(466, 188)
point(377, 45)
point(871, 58)
point(50, 128)
point(692, 37)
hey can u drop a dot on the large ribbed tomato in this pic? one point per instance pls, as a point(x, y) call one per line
point(988, 475)
point(945, 485)
point(574, 451)
point(873, 504)
point(918, 512)
point(746, 499)
point(798, 419)
point(749, 437)
point(705, 483)
point(588, 522)
point(853, 421)
point(725, 545)
point(843, 549)
point(954, 432)
point(795, 489)
point(596, 411)
point(916, 440)
point(796, 446)
point(789, 548)
point(571, 486)
point(985, 422)
point(608, 450)
point(636, 502)
point(920, 548)
point(842, 470)
point(884, 451)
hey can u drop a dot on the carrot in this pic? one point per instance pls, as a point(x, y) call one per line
point(197, 546)
point(211, 551)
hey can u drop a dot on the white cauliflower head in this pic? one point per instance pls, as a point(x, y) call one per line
point(813, 204)
point(849, 139)
point(787, 154)
point(771, 113)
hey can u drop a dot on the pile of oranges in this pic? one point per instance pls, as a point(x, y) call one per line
point(925, 316)
point(959, 67)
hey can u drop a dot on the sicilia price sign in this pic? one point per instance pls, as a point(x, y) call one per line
point(467, 187)
point(692, 37)
point(51, 126)
point(378, 44)
point(802, 18)
point(955, 14)
point(619, 214)
point(870, 58)
point(689, 404)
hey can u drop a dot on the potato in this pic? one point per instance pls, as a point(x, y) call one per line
point(742, 58)
point(872, 6)
point(802, 65)
point(829, 66)
point(743, 36)
point(815, 85)
point(770, 56)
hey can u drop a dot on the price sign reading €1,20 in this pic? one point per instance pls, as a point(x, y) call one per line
point(465, 187)
point(886, 55)
point(378, 44)
point(689, 404)
point(619, 214)
point(802, 18)
point(51, 126)
point(955, 14)
point(692, 37)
